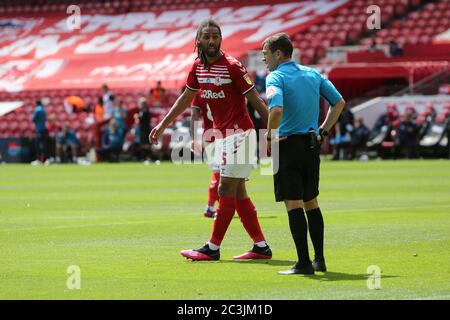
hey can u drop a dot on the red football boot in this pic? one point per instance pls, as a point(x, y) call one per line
point(209, 213)
point(201, 254)
point(256, 253)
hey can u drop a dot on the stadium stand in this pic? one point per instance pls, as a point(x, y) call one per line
point(416, 25)
point(346, 27)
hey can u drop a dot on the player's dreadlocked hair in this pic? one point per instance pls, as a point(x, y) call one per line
point(207, 23)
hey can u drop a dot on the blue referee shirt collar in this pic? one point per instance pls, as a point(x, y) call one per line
point(285, 64)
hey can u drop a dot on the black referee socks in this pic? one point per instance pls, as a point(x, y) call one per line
point(299, 231)
point(316, 230)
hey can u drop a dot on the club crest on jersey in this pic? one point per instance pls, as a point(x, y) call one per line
point(218, 81)
point(209, 94)
point(247, 79)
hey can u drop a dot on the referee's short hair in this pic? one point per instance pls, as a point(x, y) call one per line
point(280, 41)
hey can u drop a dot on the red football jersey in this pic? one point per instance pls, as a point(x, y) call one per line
point(205, 113)
point(223, 84)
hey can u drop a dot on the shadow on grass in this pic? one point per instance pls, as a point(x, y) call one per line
point(268, 262)
point(271, 262)
point(321, 276)
point(340, 276)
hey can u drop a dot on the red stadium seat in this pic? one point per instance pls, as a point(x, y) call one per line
point(360, 3)
point(345, 12)
point(13, 128)
point(394, 32)
point(424, 39)
point(314, 29)
point(353, 35)
point(321, 51)
point(440, 118)
point(415, 3)
point(383, 32)
point(3, 125)
point(22, 117)
point(425, 15)
point(324, 28)
point(340, 19)
point(412, 39)
point(400, 9)
point(366, 41)
point(433, 22)
point(430, 7)
point(429, 31)
point(405, 32)
point(444, 23)
point(421, 119)
point(397, 24)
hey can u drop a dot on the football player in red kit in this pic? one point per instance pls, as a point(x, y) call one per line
point(200, 109)
point(225, 84)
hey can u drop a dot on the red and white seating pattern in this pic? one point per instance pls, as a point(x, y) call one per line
point(18, 122)
point(346, 26)
point(418, 27)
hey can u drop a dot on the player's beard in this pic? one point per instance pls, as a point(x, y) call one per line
point(210, 52)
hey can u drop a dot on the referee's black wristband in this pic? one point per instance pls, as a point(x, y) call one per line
point(323, 133)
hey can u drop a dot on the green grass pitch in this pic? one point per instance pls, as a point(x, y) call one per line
point(125, 224)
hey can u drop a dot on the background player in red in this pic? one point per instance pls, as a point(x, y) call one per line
point(225, 84)
point(200, 109)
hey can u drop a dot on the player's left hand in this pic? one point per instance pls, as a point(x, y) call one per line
point(156, 133)
point(196, 148)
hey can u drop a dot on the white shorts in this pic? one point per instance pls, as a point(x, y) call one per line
point(213, 151)
point(239, 155)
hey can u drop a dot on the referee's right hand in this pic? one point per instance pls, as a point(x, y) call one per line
point(319, 139)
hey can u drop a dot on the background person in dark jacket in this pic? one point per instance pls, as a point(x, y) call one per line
point(144, 130)
point(39, 119)
point(360, 134)
point(407, 136)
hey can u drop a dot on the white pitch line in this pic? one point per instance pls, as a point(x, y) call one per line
point(79, 226)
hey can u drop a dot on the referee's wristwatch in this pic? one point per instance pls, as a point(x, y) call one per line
point(322, 133)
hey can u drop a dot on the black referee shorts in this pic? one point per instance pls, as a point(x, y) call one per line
point(298, 173)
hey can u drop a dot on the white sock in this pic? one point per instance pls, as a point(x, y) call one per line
point(261, 244)
point(212, 246)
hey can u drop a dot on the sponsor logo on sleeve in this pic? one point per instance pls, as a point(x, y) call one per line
point(270, 92)
point(248, 80)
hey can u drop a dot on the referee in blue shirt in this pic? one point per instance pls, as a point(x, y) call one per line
point(294, 92)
